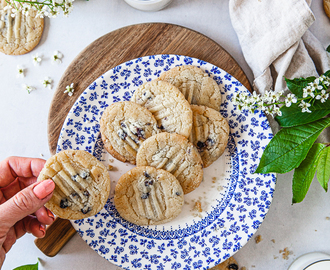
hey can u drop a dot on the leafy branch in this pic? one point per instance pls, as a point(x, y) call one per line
point(303, 115)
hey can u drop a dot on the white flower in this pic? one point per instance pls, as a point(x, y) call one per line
point(40, 14)
point(57, 56)
point(290, 98)
point(309, 90)
point(28, 88)
point(316, 84)
point(304, 106)
point(277, 111)
point(36, 59)
point(274, 96)
point(20, 71)
point(69, 89)
point(323, 96)
point(47, 82)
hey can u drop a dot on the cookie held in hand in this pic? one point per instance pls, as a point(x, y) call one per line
point(82, 184)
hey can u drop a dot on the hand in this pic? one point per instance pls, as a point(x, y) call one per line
point(21, 196)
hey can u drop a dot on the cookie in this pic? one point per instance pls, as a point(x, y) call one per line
point(124, 126)
point(175, 154)
point(148, 196)
point(326, 6)
point(20, 34)
point(82, 184)
point(195, 84)
point(171, 110)
point(229, 264)
point(209, 133)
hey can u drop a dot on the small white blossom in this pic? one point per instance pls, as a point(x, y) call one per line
point(323, 96)
point(69, 89)
point(304, 106)
point(28, 88)
point(47, 82)
point(290, 98)
point(57, 56)
point(40, 14)
point(309, 91)
point(36, 59)
point(20, 71)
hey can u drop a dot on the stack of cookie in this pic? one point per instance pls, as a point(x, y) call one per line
point(170, 129)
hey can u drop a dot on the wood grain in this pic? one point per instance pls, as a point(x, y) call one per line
point(113, 49)
point(57, 235)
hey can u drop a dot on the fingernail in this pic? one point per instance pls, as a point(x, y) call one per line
point(43, 189)
point(42, 228)
point(50, 214)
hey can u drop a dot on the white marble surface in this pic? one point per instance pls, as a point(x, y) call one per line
point(301, 228)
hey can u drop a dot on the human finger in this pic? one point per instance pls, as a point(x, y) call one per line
point(25, 202)
point(14, 167)
point(45, 216)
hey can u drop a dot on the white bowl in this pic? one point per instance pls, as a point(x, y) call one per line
point(148, 5)
point(311, 261)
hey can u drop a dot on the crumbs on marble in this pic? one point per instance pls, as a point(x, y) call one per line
point(243, 268)
point(41, 155)
point(258, 239)
point(273, 240)
point(285, 253)
point(111, 160)
point(327, 218)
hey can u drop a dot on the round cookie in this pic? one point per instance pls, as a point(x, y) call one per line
point(209, 133)
point(20, 34)
point(175, 154)
point(124, 126)
point(326, 6)
point(82, 184)
point(229, 264)
point(148, 196)
point(195, 84)
point(171, 110)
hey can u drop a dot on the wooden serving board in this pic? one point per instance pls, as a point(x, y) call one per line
point(109, 51)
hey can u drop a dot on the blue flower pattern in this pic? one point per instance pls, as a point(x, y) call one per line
point(232, 220)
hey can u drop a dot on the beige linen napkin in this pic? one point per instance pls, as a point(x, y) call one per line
point(276, 42)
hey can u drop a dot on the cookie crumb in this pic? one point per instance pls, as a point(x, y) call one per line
point(111, 160)
point(258, 239)
point(41, 155)
point(275, 257)
point(285, 253)
point(327, 218)
point(273, 240)
point(198, 206)
point(214, 179)
point(243, 268)
point(110, 168)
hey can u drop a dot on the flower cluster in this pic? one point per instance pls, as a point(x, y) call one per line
point(271, 101)
point(47, 82)
point(47, 8)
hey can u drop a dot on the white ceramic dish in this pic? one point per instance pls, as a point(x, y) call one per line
point(234, 200)
point(148, 5)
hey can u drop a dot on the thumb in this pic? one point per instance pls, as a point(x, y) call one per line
point(26, 202)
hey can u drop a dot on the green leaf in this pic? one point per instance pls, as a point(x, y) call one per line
point(328, 49)
point(289, 147)
point(304, 174)
point(28, 267)
point(292, 116)
point(296, 85)
point(323, 168)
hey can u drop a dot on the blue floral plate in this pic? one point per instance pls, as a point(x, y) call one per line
point(234, 201)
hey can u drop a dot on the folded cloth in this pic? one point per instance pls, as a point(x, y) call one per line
point(276, 42)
